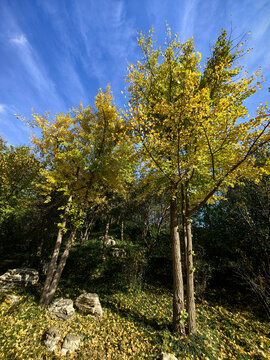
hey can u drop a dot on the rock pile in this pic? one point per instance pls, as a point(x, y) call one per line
point(89, 304)
point(18, 277)
point(62, 308)
point(117, 252)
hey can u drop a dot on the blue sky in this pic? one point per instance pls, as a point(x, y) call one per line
point(58, 53)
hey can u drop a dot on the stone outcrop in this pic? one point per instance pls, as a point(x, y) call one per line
point(167, 356)
point(118, 252)
point(71, 343)
point(89, 304)
point(107, 242)
point(62, 308)
point(18, 277)
point(52, 338)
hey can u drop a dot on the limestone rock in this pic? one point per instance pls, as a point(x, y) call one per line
point(167, 356)
point(20, 276)
point(89, 304)
point(52, 337)
point(71, 343)
point(12, 299)
point(62, 308)
point(109, 241)
point(117, 252)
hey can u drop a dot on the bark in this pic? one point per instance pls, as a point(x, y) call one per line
point(122, 230)
point(53, 262)
point(105, 238)
point(178, 286)
point(85, 235)
point(57, 275)
point(191, 308)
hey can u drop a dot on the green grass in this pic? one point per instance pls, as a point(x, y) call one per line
point(136, 325)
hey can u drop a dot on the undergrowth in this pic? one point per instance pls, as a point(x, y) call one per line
point(135, 325)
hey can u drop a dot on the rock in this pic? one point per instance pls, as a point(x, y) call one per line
point(71, 343)
point(167, 356)
point(12, 299)
point(89, 304)
point(109, 241)
point(52, 337)
point(117, 252)
point(62, 308)
point(20, 276)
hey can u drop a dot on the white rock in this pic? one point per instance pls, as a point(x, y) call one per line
point(89, 304)
point(52, 337)
point(20, 276)
point(62, 308)
point(71, 343)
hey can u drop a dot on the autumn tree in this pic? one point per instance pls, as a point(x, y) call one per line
point(194, 133)
point(84, 155)
point(18, 172)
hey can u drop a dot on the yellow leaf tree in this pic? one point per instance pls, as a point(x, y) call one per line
point(86, 155)
point(194, 133)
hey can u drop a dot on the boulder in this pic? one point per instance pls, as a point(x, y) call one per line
point(52, 338)
point(109, 241)
point(12, 299)
point(62, 308)
point(118, 253)
point(167, 356)
point(71, 343)
point(89, 304)
point(18, 277)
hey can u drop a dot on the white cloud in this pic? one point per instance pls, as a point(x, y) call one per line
point(19, 39)
point(2, 108)
point(189, 19)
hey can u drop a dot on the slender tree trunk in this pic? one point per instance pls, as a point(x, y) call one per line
point(105, 238)
point(191, 308)
point(178, 286)
point(122, 230)
point(57, 275)
point(53, 262)
point(85, 235)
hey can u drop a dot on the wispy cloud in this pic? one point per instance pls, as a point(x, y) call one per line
point(2, 108)
point(189, 17)
point(35, 68)
point(19, 39)
point(114, 39)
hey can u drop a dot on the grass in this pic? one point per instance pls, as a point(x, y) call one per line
point(135, 325)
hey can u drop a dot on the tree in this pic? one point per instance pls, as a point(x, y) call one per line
point(18, 172)
point(194, 133)
point(84, 155)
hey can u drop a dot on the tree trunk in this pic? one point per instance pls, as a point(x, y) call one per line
point(105, 238)
point(85, 235)
point(58, 272)
point(51, 269)
point(178, 286)
point(122, 230)
point(192, 327)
